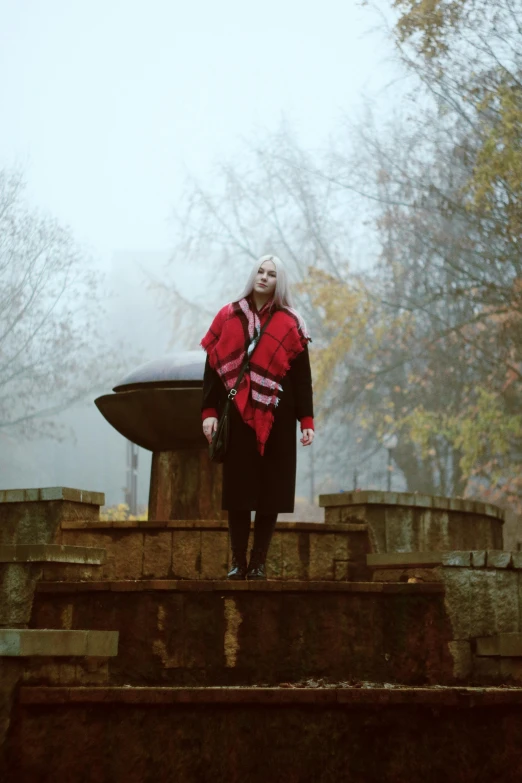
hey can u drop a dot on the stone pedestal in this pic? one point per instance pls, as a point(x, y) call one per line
point(185, 484)
point(34, 516)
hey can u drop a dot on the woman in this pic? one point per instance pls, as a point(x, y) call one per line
point(276, 391)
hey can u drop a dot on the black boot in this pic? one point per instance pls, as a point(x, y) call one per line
point(238, 569)
point(256, 566)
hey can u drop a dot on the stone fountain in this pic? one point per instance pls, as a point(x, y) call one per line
point(157, 406)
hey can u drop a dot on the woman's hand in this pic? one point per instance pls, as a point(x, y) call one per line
point(308, 437)
point(209, 427)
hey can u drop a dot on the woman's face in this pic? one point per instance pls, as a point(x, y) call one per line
point(266, 278)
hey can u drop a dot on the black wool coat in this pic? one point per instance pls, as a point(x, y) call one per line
point(252, 482)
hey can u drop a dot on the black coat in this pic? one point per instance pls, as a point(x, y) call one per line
point(265, 483)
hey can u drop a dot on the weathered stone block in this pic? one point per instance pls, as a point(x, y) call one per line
point(214, 554)
point(421, 575)
point(342, 570)
point(516, 560)
point(341, 546)
point(102, 644)
point(124, 556)
point(92, 671)
point(404, 559)
point(25, 642)
point(322, 553)
point(458, 600)
point(376, 521)
point(186, 554)
point(456, 559)
point(510, 670)
point(483, 594)
point(460, 652)
point(389, 575)
point(496, 558)
point(332, 516)
point(435, 530)
point(488, 646)
point(274, 560)
point(478, 558)
point(295, 554)
point(157, 554)
point(510, 645)
point(507, 607)
point(401, 535)
point(17, 583)
point(486, 670)
point(423, 501)
point(424, 518)
point(354, 514)
point(42, 670)
point(503, 645)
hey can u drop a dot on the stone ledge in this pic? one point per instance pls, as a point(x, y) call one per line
point(51, 493)
point(226, 586)
point(25, 642)
point(502, 645)
point(52, 553)
point(491, 558)
point(404, 560)
point(362, 498)
point(203, 524)
point(334, 696)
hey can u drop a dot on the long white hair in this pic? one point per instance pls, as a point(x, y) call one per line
point(282, 295)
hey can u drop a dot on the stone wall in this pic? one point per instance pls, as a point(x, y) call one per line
point(200, 550)
point(321, 672)
point(291, 736)
point(482, 598)
point(30, 517)
point(226, 633)
point(405, 522)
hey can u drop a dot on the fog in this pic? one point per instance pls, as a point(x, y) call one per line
point(106, 107)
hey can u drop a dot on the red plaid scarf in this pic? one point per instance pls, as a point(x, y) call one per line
point(234, 328)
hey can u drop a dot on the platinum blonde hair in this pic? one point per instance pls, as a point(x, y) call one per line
point(282, 295)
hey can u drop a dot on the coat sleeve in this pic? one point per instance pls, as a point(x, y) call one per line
point(211, 389)
point(303, 392)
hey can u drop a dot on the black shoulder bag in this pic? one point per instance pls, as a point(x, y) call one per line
point(217, 450)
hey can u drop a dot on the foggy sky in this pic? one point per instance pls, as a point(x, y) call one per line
point(107, 104)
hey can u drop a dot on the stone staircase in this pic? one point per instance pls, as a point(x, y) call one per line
point(358, 660)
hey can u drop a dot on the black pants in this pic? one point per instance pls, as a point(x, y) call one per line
point(239, 527)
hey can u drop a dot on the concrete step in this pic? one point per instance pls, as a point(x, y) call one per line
point(116, 735)
point(200, 550)
point(225, 633)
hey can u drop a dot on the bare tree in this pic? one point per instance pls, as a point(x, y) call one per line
point(51, 352)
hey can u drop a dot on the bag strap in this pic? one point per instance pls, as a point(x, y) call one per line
point(232, 393)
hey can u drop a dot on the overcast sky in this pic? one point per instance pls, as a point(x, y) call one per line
point(107, 103)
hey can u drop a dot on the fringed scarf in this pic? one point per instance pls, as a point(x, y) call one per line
point(233, 332)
